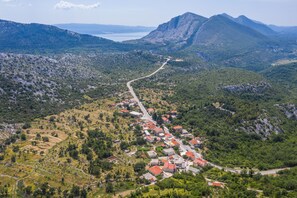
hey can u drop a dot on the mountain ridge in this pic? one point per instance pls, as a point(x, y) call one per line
point(34, 36)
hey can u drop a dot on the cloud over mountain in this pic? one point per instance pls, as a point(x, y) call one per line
point(65, 5)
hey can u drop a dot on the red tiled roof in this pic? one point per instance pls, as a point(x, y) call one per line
point(217, 184)
point(190, 154)
point(125, 111)
point(158, 130)
point(174, 142)
point(150, 110)
point(149, 138)
point(177, 127)
point(150, 125)
point(194, 142)
point(200, 162)
point(168, 135)
point(155, 170)
point(170, 166)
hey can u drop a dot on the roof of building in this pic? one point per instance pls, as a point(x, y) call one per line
point(149, 137)
point(190, 154)
point(194, 142)
point(135, 113)
point(217, 184)
point(200, 161)
point(155, 170)
point(150, 110)
point(158, 130)
point(177, 127)
point(150, 177)
point(169, 166)
point(194, 170)
point(169, 150)
point(174, 142)
point(165, 119)
point(151, 153)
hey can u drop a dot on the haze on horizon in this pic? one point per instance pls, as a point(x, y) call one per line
point(145, 13)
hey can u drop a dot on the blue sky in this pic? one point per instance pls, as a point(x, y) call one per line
point(143, 12)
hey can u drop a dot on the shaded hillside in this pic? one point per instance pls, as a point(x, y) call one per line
point(259, 27)
point(38, 37)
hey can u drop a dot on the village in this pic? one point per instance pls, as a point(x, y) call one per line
point(174, 149)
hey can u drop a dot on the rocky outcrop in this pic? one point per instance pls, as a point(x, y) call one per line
point(262, 126)
point(256, 88)
point(290, 110)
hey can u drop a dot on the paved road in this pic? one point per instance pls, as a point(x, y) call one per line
point(146, 115)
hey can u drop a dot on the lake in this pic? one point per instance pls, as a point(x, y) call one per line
point(119, 37)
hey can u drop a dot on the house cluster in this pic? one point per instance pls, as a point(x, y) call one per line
point(174, 155)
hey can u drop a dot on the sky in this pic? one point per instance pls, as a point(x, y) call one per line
point(143, 12)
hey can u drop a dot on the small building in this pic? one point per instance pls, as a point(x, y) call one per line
point(155, 170)
point(178, 129)
point(154, 162)
point(178, 160)
point(165, 120)
point(175, 143)
point(195, 143)
point(168, 135)
point(200, 162)
point(151, 111)
point(149, 126)
point(168, 167)
point(124, 112)
point(185, 132)
point(148, 176)
point(149, 138)
point(147, 133)
point(135, 114)
point(158, 130)
point(112, 159)
point(190, 155)
point(193, 170)
point(173, 113)
point(152, 154)
point(161, 135)
point(216, 184)
point(169, 151)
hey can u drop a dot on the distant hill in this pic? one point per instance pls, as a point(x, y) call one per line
point(258, 26)
point(220, 39)
point(193, 30)
point(18, 36)
point(94, 29)
point(284, 29)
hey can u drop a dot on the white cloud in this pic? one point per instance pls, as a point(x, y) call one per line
point(68, 5)
point(7, 1)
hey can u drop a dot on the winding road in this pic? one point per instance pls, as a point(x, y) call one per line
point(146, 116)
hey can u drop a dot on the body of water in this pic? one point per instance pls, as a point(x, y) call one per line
point(119, 37)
